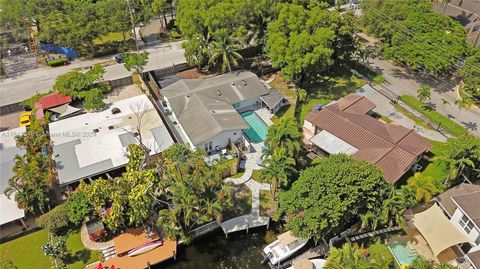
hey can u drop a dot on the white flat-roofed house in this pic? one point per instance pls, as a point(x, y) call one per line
point(95, 143)
point(9, 210)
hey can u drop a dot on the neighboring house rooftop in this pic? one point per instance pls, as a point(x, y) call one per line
point(470, 204)
point(204, 106)
point(50, 101)
point(464, 11)
point(390, 146)
point(8, 150)
point(445, 199)
point(474, 258)
point(94, 143)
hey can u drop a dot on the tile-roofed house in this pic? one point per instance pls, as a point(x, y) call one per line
point(445, 199)
point(392, 147)
point(470, 205)
point(474, 259)
point(55, 103)
point(208, 109)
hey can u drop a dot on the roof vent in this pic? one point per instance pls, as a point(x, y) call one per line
point(244, 83)
point(213, 112)
point(219, 93)
point(188, 95)
point(116, 110)
point(110, 127)
point(96, 130)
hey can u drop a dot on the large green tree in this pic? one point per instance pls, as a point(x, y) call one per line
point(304, 42)
point(285, 134)
point(278, 169)
point(331, 194)
point(414, 35)
point(84, 86)
point(470, 74)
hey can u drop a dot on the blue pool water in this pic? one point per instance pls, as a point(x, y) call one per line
point(258, 129)
point(403, 252)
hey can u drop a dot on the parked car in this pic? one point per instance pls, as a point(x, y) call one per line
point(120, 57)
point(25, 118)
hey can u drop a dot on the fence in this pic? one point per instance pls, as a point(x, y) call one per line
point(167, 71)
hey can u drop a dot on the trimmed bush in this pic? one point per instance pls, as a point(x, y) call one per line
point(57, 62)
point(54, 220)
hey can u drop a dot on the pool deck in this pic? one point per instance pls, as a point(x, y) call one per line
point(265, 115)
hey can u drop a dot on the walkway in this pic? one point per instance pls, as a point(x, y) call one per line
point(91, 244)
point(402, 82)
point(385, 108)
point(253, 219)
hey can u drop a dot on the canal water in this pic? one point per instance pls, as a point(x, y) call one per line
point(212, 251)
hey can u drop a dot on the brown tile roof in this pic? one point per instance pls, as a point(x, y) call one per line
point(392, 147)
point(474, 258)
point(445, 199)
point(470, 204)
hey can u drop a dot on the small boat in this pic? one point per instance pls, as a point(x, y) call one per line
point(145, 248)
point(284, 247)
point(308, 264)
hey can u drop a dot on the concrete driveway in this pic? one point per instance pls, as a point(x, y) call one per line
point(385, 108)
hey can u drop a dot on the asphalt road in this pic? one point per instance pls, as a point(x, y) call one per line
point(21, 87)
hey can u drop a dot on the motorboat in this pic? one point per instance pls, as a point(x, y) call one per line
point(308, 264)
point(284, 247)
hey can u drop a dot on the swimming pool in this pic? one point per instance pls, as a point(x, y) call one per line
point(258, 129)
point(404, 253)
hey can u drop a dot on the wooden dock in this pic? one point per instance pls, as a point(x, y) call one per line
point(244, 222)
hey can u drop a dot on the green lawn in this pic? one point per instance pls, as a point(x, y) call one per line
point(26, 252)
point(289, 93)
point(409, 115)
point(267, 205)
point(330, 89)
point(110, 38)
point(447, 124)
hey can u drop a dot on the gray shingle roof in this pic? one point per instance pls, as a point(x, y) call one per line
point(204, 106)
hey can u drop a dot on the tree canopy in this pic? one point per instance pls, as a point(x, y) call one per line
point(84, 86)
point(304, 43)
point(330, 195)
point(470, 74)
point(415, 35)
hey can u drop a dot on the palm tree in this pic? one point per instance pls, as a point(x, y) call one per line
point(424, 93)
point(225, 50)
point(421, 263)
point(463, 103)
point(462, 152)
point(285, 134)
point(423, 186)
point(370, 220)
point(445, 102)
point(278, 168)
point(347, 257)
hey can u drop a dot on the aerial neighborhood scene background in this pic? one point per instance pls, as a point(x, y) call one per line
point(283, 134)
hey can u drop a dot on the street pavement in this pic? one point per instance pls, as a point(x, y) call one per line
point(40, 80)
point(401, 82)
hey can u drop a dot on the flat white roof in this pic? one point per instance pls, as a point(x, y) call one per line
point(94, 143)
point(8, 150)
point(332, 144)
point(9, 210)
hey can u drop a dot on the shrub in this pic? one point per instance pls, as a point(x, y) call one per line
point(174, 34)
point(57, 62)
point(378, 79)
point(77, 208)
point(54, 220)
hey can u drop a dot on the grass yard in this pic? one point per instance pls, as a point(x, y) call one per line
point(267, 205)
point(13, 252)
point(447, 124)
point(110, 38)
point(330, 89)
point(241, 202)
point(291, 95)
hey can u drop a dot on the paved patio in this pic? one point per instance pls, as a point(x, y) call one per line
point(92, 245)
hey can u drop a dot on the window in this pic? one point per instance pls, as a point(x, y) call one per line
point(205, 146)
point(477, 242)
point(210, 146)
point(466, 224)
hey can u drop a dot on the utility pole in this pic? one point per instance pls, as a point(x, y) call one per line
point(130, 11)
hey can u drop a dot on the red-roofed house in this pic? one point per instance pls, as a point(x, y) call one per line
point(345, 127)
point(56, 103)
